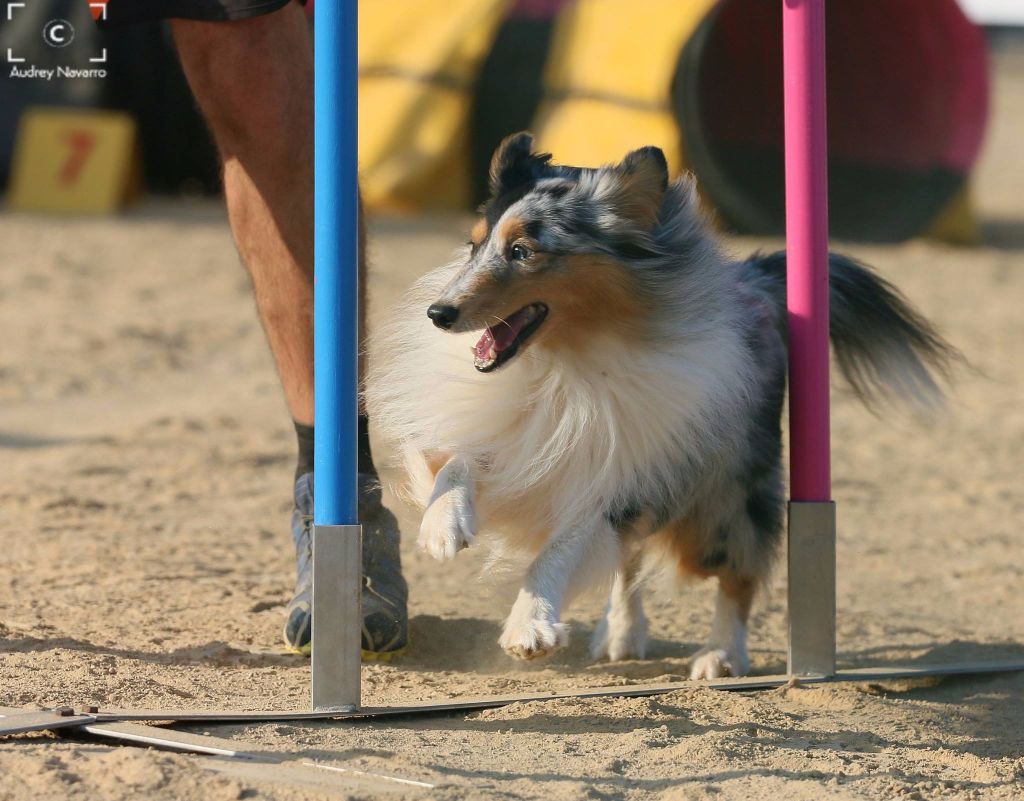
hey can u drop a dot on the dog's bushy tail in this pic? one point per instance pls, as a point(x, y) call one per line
point(884, 347)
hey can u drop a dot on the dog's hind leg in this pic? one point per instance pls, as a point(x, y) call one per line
point(726, 651)
point(449, 523)
point(533, 627)
point(622, 632)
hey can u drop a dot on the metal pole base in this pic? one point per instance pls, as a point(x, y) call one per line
point(812, 588)
point(337, 617)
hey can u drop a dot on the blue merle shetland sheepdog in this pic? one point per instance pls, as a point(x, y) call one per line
point(591, 380)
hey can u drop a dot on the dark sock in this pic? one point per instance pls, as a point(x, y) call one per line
point(304, 434)
point(363, 446)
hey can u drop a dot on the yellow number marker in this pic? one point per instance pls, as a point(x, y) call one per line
point(73, 161)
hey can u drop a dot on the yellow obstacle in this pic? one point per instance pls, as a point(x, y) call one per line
point(418, 62)
point(609, 77)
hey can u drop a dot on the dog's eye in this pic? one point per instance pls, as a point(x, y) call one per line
point(520, 252)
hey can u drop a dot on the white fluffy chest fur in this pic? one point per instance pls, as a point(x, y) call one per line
point(557, 435)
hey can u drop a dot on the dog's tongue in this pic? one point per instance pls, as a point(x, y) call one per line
point(502, 335)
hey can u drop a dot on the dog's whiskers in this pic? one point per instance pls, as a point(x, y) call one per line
point(501, 319)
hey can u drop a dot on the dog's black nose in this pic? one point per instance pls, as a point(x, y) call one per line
point(443, 316)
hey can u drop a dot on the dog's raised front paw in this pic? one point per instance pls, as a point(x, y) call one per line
point(448, 526)
point(619, 639)
point(533, 637)
point(714, 663)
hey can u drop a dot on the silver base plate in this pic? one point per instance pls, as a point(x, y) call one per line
point(337, 618)
point(811, 550)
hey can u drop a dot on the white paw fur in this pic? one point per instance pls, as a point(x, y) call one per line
point(531, 631)
point(714, 663)
point(448, 526)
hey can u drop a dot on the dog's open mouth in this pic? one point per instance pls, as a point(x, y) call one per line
point(501, 341)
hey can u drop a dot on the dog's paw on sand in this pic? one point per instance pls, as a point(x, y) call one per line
point(715, 663)
point(533, 637)
point(617, 639)
point(448, 526)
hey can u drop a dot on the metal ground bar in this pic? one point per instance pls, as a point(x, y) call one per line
point(16, 721)
point(23, 721)
point(747, 683)
point(170, 739)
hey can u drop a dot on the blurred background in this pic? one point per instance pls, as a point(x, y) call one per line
point(442, 81)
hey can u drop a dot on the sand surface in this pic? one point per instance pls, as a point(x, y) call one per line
point(145, 558)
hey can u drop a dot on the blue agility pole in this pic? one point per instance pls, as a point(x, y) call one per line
point(337, 561)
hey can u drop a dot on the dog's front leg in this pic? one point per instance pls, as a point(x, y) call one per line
point(449, 523)
point(533, 628)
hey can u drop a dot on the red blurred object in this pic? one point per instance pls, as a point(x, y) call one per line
point(907, 99)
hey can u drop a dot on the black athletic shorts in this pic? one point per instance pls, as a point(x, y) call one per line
point(126, 12)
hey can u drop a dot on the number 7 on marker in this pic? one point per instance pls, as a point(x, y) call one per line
point(81, 144)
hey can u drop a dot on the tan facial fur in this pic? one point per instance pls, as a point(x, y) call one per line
point(586, 294)
point(511, 230)
point(478, 233)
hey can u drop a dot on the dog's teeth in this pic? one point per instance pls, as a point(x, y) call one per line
point(530, 312)
point(493, 354)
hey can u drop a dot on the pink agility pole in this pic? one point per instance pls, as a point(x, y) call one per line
point(812, 531)
point(803, 31)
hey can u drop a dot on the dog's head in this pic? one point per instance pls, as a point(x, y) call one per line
point(548, 261)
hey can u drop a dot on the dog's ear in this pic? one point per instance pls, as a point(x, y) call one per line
point(643, 179)
point(514, 163)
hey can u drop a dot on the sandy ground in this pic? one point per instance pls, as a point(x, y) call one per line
point(145, 558)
